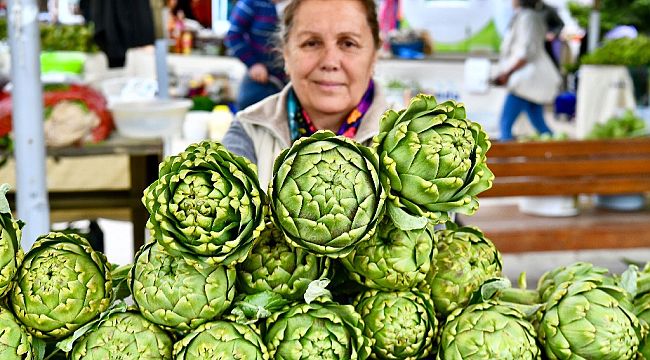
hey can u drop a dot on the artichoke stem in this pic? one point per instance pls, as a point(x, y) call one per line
point(519, 296)
point(642, 283)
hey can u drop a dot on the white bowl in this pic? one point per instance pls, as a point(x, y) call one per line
point(551, 206)
point(153, 118)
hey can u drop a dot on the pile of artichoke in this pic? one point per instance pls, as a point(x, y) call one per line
point(351, 253)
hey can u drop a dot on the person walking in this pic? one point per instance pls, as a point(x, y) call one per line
point(526, 69)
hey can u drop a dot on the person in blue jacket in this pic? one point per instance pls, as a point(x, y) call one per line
point(251, 38)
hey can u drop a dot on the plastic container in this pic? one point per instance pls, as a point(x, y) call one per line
point(219, 122)
point(623, 202)
point(146, 119)
point(551, 206)
point(123, 89)
point(195, 126)
point(68, 62)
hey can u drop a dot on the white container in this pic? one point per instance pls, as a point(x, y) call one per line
point(155, 118)
point(219, 122)
point(121, 89)
point(551, 206)
point(195, 127)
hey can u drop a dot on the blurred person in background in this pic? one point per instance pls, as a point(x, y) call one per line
point(251, 38)
point(554, 26)
point(329, 49)
point(526, 69)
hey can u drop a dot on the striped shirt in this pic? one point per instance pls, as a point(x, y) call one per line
point(253, 25)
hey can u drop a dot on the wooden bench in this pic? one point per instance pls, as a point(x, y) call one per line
point(570, 167)
point(566, 168)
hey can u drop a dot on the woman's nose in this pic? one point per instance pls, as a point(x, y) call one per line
point(331, 59)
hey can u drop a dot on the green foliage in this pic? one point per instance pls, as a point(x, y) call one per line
point(58, 37)
point(615, 12)
point(624, 126)
point(624, 51)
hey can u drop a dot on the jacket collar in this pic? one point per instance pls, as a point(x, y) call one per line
point(271, 114)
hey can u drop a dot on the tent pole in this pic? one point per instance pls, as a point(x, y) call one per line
point(27, 104)
point(594, 27)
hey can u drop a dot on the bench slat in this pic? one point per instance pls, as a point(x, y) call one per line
point(546, 149)
point(572, 167)
point(524, 186)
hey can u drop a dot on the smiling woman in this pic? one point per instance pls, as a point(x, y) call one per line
point(329, 49)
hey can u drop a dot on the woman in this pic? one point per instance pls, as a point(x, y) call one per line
point(329, 49)
point(526, 69)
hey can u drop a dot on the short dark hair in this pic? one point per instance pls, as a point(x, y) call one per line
point(290, 11)
point(529, 4)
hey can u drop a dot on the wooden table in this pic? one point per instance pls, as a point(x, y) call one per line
point(144, 157)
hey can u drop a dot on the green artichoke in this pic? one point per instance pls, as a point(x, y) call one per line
point(486, 331)
point(432, 160)
point(61, 285)
point(589, 320)
point(15, 341)
point(578, 271)
point(221, 340)
point(465, 259)
point(179, 293)
point(207, 202)
point(124, 336)
point(318, 330)
point(273, 265)
point(642, 312)
point(325, 194)
point(642, 307)
point(402, 325)
point(11, 253)
point(393, 259)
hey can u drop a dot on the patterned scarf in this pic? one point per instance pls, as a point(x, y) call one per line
point(301, 125)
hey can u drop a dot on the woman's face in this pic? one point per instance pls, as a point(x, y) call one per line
point(330, 56)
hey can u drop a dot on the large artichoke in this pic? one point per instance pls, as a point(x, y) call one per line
point(487, 331)
point(642, 308)
point(589, 320)
point(402, 325)
point(221, 340)
point(393, 259)
point(325, 194)
point(124, 336)
point(432, 160)
point(465, 259)
point(642, 311)
point(62, 284)
point(273, 265)
point(578, 271)
point(15, 341)
point(179, 293)
point(208, 202)
point(318, 330)
point(11, 253)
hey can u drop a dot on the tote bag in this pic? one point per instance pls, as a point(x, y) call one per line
point(538, 81)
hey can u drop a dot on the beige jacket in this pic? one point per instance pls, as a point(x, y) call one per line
point(267, 125)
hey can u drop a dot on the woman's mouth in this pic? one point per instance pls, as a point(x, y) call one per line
point(328, 85)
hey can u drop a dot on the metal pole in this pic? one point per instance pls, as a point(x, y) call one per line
point(594, 27)
point(160, 15)
point(27, 103)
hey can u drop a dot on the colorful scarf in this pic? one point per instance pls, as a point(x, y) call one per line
point(301, 125)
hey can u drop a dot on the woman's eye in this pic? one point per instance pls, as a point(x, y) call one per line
point(310, 43)
point(349, 44)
